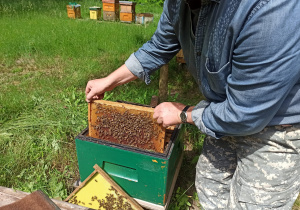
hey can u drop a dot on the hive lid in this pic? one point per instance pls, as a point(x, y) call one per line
point(110, 1)
point(144, 15)
point(127, 3)
point(73, 4)
point(95, 8)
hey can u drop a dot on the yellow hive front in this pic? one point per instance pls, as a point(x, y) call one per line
point(95, 13)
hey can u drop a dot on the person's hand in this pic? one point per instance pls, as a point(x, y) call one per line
point(95, 89)
point(168, 113)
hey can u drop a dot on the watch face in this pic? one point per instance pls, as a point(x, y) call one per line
point(183, 117)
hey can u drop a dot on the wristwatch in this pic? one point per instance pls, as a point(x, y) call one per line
point(183, 114)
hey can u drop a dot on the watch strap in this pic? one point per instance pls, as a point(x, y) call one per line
point(186, 108)
point(183, 112)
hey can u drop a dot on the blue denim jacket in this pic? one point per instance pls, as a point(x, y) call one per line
point(245, 58)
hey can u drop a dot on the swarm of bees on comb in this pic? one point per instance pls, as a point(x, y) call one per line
point(125, 128)
point(126, 124)
point(111, 201)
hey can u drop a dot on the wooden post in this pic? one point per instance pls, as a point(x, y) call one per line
point(180, 60)
point(163, 83)
point(154, 101)
point(180, 57)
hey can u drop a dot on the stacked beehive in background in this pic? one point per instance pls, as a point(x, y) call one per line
point(143, 18)
point(73, 10)
point(127, 13)
point(95, 13)
point(110, 10)
point(113, 10)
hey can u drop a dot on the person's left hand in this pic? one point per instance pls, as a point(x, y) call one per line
point(168, 113)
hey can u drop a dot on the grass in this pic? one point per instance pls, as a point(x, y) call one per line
point(46, 60)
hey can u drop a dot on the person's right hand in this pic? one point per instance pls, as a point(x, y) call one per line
point(95, 89)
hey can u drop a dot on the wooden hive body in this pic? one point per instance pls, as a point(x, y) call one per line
point(95, 13)
point(143, 18)
point(128, 17)
point(73, 11)
point(127, 6)
point(111, 7)
point(127, 11)
point(110, 16)
point(110, 10)
point(110, 1)
point(147, 176)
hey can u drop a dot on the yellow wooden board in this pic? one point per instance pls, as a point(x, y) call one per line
point(99, 191)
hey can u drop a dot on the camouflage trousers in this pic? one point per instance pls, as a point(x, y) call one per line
point(261, 171)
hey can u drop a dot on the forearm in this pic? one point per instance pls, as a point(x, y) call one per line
point(120, 76)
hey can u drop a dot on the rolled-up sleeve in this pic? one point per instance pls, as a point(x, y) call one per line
point(197, 118)
point(162, 47)
point(265, 68)
point(133, 64)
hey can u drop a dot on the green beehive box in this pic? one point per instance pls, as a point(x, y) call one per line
point(147, 176)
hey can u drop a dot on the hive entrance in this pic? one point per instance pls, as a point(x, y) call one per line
point(126, 124)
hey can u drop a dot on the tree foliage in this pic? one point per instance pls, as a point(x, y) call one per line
point(157, 2)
